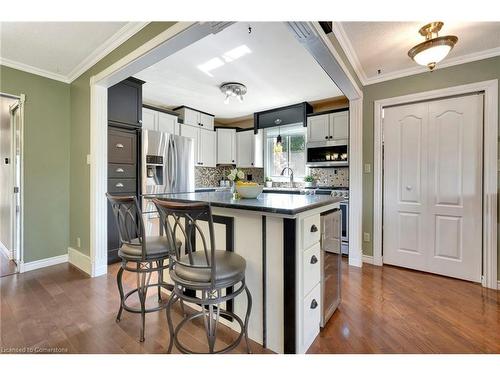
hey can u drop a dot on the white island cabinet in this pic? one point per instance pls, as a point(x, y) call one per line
point(279, 237)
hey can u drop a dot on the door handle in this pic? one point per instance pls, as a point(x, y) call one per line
point(314, 260)
point(314, 228)
point(119, 185)
point(314, 304)
point(408, 187)
point(119, 170)
point(119, 145)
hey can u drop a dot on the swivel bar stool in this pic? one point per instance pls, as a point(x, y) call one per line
point(201, 275)
point(139, 254)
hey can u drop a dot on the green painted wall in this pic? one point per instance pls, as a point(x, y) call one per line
point(80, 136)
point(46, 161)
point(453, 76)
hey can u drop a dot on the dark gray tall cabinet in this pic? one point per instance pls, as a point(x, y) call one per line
point(124, 145)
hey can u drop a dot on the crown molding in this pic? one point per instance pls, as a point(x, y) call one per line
point(345, 43)
point(33, 70)
point(350, 52)
point(128, 30)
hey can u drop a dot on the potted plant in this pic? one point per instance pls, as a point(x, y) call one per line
point(234, 176)
point(269, 182)
point(309, 181)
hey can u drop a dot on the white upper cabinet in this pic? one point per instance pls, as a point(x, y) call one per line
point(207, 148)
point(149, 119)
point(207, 121)
point(328, 127)
point(167, 123)
point(204, 144)
point(159, 121)
point(196, 118)
point(190, 116)
point(318, 128)
point(192, 132)
point(250, 149)
point(226, 146)
point(339, 125)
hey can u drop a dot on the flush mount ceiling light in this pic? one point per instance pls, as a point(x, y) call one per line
point(233, 89)
point(435, 48)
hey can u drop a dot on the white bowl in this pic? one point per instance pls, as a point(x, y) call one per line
point(249, 192)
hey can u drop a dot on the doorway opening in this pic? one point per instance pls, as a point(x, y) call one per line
point(11, 129)
point(312, 38)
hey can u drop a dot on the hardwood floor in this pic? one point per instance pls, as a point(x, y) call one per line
point(384, 310)
point(394, 310)
point(7, 267)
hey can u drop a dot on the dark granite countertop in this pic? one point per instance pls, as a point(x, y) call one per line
point(286, 204)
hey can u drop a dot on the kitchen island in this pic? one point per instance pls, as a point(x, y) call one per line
point(279, 237)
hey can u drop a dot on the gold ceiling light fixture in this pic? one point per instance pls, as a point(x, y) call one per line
point(435, 48)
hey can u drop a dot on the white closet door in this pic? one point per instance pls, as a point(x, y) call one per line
point(405, 158)
point(432, 186)
point(455, 187)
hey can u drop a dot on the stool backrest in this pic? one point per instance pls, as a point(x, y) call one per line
point(128, 217)
point(181, 222)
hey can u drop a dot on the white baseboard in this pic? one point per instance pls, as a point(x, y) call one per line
point(30, 266)
point(370, 259)
point(80, 260)
point(6, 251)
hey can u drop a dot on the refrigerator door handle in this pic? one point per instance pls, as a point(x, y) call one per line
point(169, 165)
point(174, 150)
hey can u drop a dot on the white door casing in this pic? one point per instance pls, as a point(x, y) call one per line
point(490, 164)
point(433, 186)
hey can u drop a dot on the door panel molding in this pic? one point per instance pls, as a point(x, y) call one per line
point(490, 174)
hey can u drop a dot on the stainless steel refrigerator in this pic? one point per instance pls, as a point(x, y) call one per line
point(167, 167)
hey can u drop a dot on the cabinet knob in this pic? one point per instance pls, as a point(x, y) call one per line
point(252, 163)
point(140, 121)
point(314, 228)
point(119, 145)
point(119, 170)
point(326, 137)
point(314, 304)
point(314, 260)
point(232, 161)
point(119, 185)
point(331, 137)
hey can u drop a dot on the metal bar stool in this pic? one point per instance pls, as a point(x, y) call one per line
point(206, 271)
point(140, 255)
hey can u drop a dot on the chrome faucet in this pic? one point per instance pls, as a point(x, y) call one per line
point(290, 173)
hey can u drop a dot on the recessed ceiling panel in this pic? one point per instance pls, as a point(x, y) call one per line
point(269, 61)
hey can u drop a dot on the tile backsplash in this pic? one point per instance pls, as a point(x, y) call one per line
point(338, 177)
point(210, 177)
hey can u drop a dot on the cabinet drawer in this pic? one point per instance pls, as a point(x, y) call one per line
point(122, 185)
point(121, 171)
point(121, 147)
point(310, 231)
point(311, 268)
point(311, 312)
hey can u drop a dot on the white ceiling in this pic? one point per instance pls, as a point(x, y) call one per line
point(60, 50)
point(384, 45)
point(277, 72)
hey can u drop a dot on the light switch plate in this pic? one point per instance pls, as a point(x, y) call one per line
point(368, 168)
point(88, 159)
point(366, 237)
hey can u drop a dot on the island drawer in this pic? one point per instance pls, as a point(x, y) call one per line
point(311, 268)
point(310, 231)
point(119, 185)
point(311, 312)
point(121, 171)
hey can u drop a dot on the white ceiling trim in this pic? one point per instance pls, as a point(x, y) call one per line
point(130, 29)
point(127, 31)
point(33, 70)
point(346, 45)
